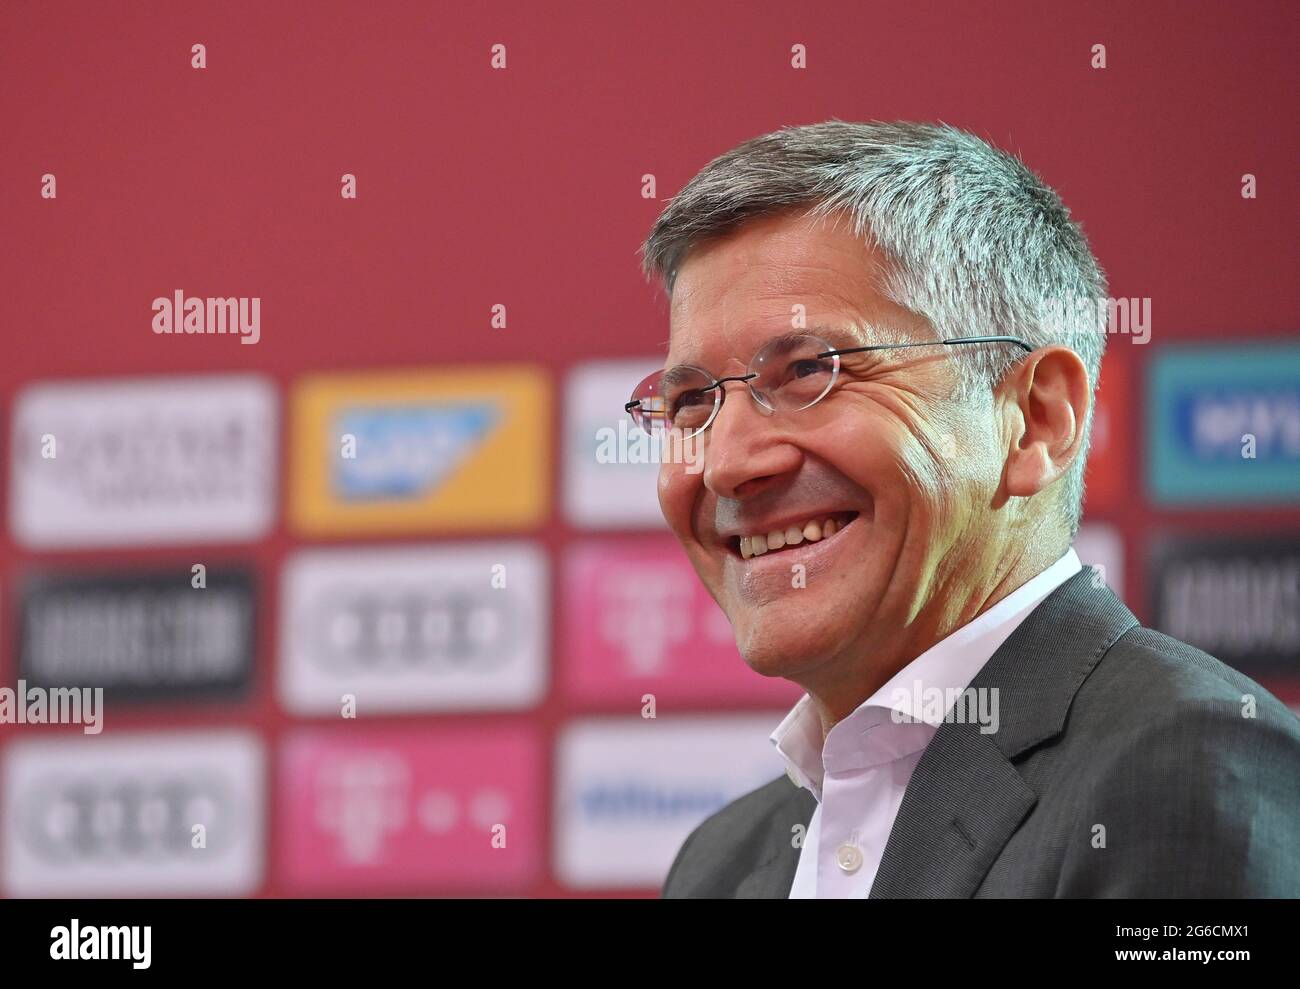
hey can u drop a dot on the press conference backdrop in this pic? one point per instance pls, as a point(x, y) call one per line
point(426, 663)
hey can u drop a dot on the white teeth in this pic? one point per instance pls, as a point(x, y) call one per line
point(810, 532)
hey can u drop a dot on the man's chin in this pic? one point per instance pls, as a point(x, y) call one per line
point(786, 653)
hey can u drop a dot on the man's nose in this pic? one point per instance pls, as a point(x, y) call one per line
point(745, 452)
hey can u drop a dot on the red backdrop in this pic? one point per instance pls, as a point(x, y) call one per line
point(522, 187)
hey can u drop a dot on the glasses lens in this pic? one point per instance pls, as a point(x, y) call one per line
point(789, 374)
point(680, 398)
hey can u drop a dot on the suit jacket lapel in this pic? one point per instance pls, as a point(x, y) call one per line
point(779, 858)
point(962, 804)
point(965, 798)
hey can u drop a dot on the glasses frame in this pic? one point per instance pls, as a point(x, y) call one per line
point(719, 392)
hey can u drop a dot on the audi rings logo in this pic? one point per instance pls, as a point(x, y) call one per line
point(80, 820)
point(407, 626)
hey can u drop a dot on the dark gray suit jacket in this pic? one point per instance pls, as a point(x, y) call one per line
point(1101, 722)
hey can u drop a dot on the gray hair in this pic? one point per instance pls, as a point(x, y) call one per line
point(974, 241)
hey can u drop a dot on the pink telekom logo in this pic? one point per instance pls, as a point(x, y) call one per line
point(411, 810)
point(637, 617)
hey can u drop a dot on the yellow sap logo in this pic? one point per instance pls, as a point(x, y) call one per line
point(461, 448)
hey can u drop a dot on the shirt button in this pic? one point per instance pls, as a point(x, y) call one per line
point(848, 858)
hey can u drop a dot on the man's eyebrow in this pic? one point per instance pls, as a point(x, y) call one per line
point(838, 337)
point(676, 374)
point(859, 335)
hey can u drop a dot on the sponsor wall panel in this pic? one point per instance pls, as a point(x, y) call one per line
point(417, 810)
point(140, 813)
point(143, 461)
point(450, 627)
point(415, 631)
point(629, 790)
point(610, 467)
point(1236, 597)
point(443, 449)
point(637, 619)
point(147, 635)
point(1224, 425)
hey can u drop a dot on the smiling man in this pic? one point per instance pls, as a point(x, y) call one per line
point(875, 345)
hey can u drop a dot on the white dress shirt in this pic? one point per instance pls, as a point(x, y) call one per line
point(858, 776)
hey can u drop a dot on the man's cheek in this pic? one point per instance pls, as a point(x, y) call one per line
point(676, 498)
point(691, 454)
point(930, 461)
point(665, 491)
point(682, 451)
point(968, 469)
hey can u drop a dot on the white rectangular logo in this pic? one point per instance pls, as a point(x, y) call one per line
point(609, 482)
point(144, 460)
point(629, 790)
point(141, 814)
point(462, 626)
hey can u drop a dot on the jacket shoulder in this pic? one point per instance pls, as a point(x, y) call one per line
point(1189, 768)
point(1154, 672)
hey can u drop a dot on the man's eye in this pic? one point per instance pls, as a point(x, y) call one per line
point(805, 368)
point(688, 399)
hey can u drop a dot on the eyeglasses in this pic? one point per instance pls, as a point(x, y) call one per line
point(790, 373)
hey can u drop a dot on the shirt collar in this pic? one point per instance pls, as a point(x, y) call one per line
point(873, 733)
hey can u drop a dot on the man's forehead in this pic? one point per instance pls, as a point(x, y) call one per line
point(742, 342)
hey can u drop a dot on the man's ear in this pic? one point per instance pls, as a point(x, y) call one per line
point(1046, 401)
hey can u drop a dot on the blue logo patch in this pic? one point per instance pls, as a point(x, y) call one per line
point(1224, 424)
point(407, 452)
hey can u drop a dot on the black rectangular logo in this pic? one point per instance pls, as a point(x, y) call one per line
point(1236, 598)
point(141, 636)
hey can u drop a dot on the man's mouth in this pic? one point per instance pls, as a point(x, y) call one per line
point(796, 534)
